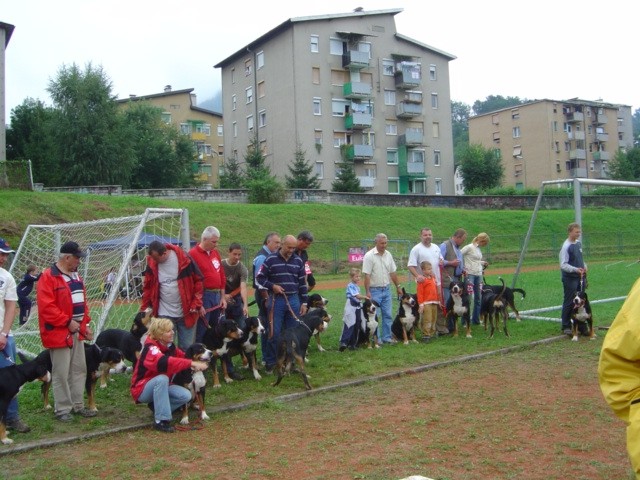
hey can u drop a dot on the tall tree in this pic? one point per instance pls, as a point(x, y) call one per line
point(495, 102)
point(625, 165)
point(88, 129)
point(346, 180)
point(481, 168)
point(460, 124)
point(263, 187)
point(301, 172)
point(233, 176)
point(635, 122)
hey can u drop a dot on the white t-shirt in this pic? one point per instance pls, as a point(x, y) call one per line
point(7, 292)
point(431, 254)
point(170, 304)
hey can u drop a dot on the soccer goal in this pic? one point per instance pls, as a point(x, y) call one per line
point(115, 245)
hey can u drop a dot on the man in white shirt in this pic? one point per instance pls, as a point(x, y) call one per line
point(379, 271)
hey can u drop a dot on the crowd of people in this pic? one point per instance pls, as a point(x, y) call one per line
point(190, 292)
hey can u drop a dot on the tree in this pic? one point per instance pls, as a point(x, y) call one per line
point(88, 131)
point(301, 172)
point(346, 180)
point(635, 122)
point(481, 168)
point(263, 187)
point(495, 102)
point(460, 125)
point(233, 176)
point(625, 166)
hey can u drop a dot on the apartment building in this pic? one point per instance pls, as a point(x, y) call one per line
point(554, 139)
point(344, 85)
point(204, 127)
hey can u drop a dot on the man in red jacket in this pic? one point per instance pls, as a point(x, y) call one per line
point(63, 315)
point(172, 288)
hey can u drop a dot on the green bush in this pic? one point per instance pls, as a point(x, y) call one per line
point(265, 190)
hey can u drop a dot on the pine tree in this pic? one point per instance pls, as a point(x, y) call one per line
point(300, 170)
point(346, 181)
point(233, 176)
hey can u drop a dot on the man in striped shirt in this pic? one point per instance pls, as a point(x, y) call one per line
point(283, 275)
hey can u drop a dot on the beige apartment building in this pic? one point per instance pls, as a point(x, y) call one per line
point(204, 127)
point(344, 85)
point(554, 139)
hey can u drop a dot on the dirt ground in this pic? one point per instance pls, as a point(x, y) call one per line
point(535, 413)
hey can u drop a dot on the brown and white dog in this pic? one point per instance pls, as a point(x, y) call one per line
point(581, 316)
point(195, 382)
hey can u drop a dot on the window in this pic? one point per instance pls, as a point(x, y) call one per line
point(250, 123)
point(220, 131)
point(432, 73)
point(317, 106)
point(335, 46)
point(495, 119)
point(438, 186)
point(389, 97)
point(233, 75)
point(558, 169)
point(185, 129)
point(248, 67)
point(234, 102)
point(259, 60)
point(261, 89)
point(319, 169)
point(203, 128)
point(392, 156)
point(496, 137)
point(314, 43)
point(249, 92)
point(262, 118)
point(567, 146)
point(436, 158)
point(415, 156)
point(391, 128)
point(339, 77)
point(434, 101)
point(435, 128)
point(515, 114)
point(263, 147)
point(590, 129)
point(339, 138)
point(369, 139)
point(557, 147)
point(315, 75)
point(517, 151)
point(166, 117)
point(365, 47)
point(516, 132)
point(221, 150)
point(418, 186)
point(235, 129)
point(318, 137)
point(388, 67)
point(338, 107)
point(392, 185)
point(566, 127)
point(555, 125)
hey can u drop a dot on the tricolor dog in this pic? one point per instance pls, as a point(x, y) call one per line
point(368, 334)
point(459, 307)
point(581, 316)
point(492, 308)
point(218, 339)
point(404, 325)
point(12, 378)
point(195, 382)
point(248, 344)
point(317, 301)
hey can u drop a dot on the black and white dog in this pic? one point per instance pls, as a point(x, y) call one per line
point(581, 316)
point(318, 301)
point(459, 307)
point(404, 325)
point(219, 339)
point(195, 382)
point(247, 345)
point(368, 334)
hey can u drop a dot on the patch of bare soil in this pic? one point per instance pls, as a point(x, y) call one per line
point(532, 414)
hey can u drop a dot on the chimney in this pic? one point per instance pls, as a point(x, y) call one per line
point(167, 88)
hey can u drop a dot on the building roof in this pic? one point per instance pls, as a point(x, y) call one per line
point(425, 46)
point(571, 101)
point(8, 28)
point(168, 93)
point(288, 23)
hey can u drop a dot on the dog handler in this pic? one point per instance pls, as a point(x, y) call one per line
point(574, 272)
point(619, 371)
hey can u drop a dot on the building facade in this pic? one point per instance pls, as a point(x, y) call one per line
point(204, 127)
point(344, 86)
point(547, 140)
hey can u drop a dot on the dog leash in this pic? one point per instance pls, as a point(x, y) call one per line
point(7, 357)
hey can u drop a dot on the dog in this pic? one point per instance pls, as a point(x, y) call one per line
point(122, 340)
point(195, 382)
point(317, 301)
point(98, 361)
point(293, 343)
point(459, 307)
point(368, 333)
point(140, 324)
point(218, 338)
point(12, 378)
point(404, 325)
point(493, 308)
point(509, 297)
point(581, 317)
point(248, 344)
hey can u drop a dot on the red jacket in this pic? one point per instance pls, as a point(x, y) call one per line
point(55, 309)
point(210, 264)
point(156, 359)
point(189, 284)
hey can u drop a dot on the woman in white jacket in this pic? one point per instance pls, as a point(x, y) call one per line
point(474, 266)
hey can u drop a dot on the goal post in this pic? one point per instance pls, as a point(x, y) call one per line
point(117, 245)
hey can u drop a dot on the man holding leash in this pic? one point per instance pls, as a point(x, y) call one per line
point(453, 267)
point(235, 290)
point(574, 275)
point(379, 271)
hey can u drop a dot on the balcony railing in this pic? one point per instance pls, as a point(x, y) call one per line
point(415, 168)
point(408, 109)
point(601, 119)
point(578, 154)
point(367, 182)
point(358, 121)
point(359, 152)
point(601, 156)
point(576, 135)
point(578, 173)
point(408, 75)
point(411, 138)
point(575, 117)
point(356, 90)
point(602, 137)
point(355, 59)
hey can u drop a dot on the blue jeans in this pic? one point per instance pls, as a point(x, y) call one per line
point(166, 398)
point(10, 349)
point(382, 295)
point(476, 282)
point(282, 319)
point(185, 335)
point(209, 300)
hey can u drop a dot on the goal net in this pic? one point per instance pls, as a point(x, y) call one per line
point(116, 246)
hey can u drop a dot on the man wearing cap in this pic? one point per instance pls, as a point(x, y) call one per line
point(8, 299)
point(305, 239)
point(63, 315)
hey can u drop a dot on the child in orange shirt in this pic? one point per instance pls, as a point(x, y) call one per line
point(428, 301)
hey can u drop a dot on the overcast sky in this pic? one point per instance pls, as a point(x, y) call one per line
point(555, 49)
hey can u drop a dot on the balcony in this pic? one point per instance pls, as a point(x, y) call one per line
point(415, 168)
point(359, 152)
point(354, 59)
point(601, 119)
point(408, 110)
point(411, 138)
point(576, 135)
point(601, 156)
point(602, 137)
point(367, 182)
point(578, 173)
point(408, 75)
point(578, 154)
point(356, 90)
point(357, 121)
point(198, 136)
point(574, 117)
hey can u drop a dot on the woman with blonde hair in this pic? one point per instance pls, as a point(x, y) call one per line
point(474, 267)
